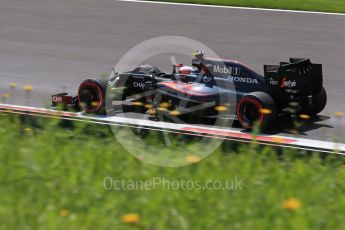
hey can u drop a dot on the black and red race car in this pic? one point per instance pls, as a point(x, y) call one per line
point(215, 88)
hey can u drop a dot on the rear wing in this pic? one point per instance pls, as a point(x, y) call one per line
point(299, 76)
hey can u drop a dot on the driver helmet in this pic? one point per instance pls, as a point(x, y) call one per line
point(187, 70)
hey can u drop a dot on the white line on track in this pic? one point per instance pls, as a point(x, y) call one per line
point(194, 130)
point(233, 7)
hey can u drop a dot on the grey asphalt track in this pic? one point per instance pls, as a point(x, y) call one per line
point(54, 45)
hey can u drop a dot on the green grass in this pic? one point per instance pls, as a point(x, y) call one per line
point(52, 178)
point(306, 5)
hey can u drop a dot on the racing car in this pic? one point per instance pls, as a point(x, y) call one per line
point(204, 90)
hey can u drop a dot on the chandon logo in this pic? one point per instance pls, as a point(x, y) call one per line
point(139, 84)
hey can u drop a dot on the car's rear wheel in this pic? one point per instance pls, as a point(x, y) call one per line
point(91, 94)
point(320, 101)
point(256, 107)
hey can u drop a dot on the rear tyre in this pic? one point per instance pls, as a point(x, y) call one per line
point(320, 101)
point(256, 107)
point(91, 94)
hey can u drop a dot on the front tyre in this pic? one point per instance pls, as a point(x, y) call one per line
point(256, 107)
point(91, 94)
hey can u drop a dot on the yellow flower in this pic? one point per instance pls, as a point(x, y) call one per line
point(339, 114)
point(193, 159)
point(64, 213)
point(137, 103)
point(162, 109)
point(28, 88)
point(130, 218)
point(175, 113)
point(13, 85)
point(95, 103)
point(265, 111)
point(292, 204)
point(5, 95)
point(164, 105)
point(148, 106)
point(152, 112)
point(28, 130)
point(304, 116)
point(220, 108)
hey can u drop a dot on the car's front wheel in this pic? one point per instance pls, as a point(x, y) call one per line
point(91, 94)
